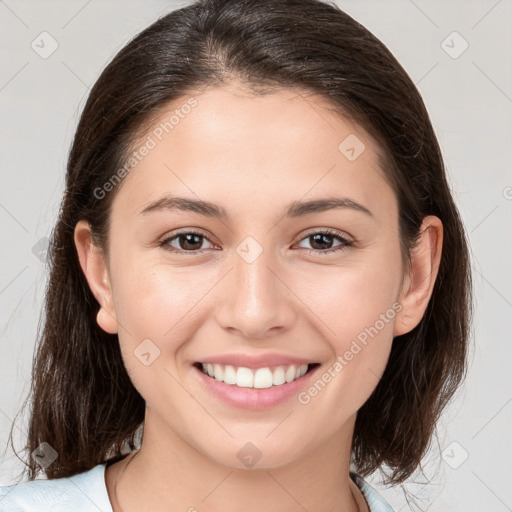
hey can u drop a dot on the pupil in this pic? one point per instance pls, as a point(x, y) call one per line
point(188, 239)
point(322, 238)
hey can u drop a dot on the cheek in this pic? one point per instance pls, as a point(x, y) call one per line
point(347, 300)
point(159, 303)
point(157, 312)
point(355, 310)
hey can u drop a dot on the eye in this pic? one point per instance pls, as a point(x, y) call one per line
point(187, 241)
point(323, 241)
point(191, 242)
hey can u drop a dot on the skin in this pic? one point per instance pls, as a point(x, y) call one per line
point(253, 155)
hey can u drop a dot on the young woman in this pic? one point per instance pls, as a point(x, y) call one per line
point(259, 288)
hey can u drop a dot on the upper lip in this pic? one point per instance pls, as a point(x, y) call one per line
point(255, 361)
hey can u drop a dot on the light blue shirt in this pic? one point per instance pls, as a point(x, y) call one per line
point(87, 492)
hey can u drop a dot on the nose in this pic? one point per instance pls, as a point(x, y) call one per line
point(255, 301)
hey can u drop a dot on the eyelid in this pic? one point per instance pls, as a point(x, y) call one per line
point(347, 240)
point(163, 241)
point(328, 231)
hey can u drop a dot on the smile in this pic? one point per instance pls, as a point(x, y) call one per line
point(256, 388)
point(259, 378)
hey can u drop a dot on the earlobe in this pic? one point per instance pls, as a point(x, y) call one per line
point(93, 264)
point(421, 277)
point(106, 321)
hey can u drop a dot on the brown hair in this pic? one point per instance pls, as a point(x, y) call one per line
point(83, 402)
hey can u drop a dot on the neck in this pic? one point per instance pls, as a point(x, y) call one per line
point(169, 473)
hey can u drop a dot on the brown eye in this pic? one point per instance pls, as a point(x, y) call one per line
point(186, 241)
point(190, 241)
point(322, 242)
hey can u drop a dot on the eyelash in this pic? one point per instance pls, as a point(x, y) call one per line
point(346, 243)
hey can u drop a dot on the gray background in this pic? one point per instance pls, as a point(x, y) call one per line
point(469, 99)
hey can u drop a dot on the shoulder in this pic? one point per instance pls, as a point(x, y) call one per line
point(376, 503)
point(84, 492)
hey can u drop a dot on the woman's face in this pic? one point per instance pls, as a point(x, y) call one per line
point(258, 287)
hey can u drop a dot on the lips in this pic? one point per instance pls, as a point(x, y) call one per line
point(254, 398)
point(256, 361)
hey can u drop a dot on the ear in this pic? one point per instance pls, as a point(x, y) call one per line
point(92, 261)
point(420, 278)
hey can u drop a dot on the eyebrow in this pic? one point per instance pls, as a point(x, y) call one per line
point(294, 209)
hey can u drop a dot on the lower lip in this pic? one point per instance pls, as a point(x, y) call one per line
point(253, 398)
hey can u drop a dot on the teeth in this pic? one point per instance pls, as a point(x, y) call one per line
point(290, 374)
point(244, 378)
point(259, 379)
point(278, 376)
point(229, 374)
point(218, 372)
point(263, 378)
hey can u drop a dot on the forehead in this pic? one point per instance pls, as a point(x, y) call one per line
point(239, 149)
